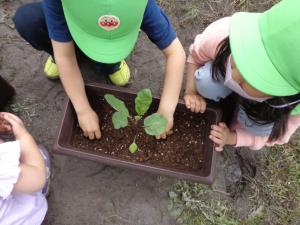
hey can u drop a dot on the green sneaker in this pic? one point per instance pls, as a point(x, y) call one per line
point(122, 76)
point(50, 69)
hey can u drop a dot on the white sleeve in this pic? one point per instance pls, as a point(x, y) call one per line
point(9, 167)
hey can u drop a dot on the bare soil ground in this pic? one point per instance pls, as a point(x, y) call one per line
point(251, 187)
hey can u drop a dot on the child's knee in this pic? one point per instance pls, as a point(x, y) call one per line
point(28, 19)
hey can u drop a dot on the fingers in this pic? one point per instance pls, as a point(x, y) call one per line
point(98, 134)
point(219, 148)
point(202, 105)
point(170, 132)
point(12, 123)
point(219, 142)
point(217, 128)
point(5, 128)
point(92, 134)
point(217, 134)
point(89, 123)
point(162, 136)
point(216, 140)
point(223, 125)
point(187, 102)
point(198, 106)
point(195, 103)
point(170, 120)
point(11, 118)
point(4, 124)
point(192, 104)
point(85, 133)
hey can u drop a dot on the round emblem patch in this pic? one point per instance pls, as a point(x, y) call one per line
point(109, 22)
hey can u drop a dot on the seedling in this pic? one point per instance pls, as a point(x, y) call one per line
point(154, 124)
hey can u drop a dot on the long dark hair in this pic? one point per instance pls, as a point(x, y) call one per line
point(260, 112)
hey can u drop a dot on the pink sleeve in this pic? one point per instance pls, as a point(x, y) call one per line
point(257, 142)
point(205, 45)
point(244, 138)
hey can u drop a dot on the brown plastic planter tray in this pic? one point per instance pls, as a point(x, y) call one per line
point(6, 92)
point(66, 132)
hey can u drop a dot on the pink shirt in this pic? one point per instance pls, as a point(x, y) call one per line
point(203, 50)
point(17, 208)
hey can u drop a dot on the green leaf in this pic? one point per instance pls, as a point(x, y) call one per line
point(117, 104)
point(133, 147)
point(155, 124)
point(119, 120)
point(143, 101)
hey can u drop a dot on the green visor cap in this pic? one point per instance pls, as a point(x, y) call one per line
point(105, 30)
point(266, 48)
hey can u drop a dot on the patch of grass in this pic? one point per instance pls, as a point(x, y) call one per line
point(275, 193)
point(279, 186)
point(204, 12)
point(252, 5)
point(25, 108)
point(197, 204)
point(241, 4)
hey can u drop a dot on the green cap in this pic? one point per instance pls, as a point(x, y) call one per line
point(105, 30)
point(266, 47)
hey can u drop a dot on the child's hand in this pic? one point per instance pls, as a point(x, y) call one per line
point(4, 125)
point(89, 123)
point(14, 124)
point(170, 123)
point(195, 102)
point(221, 135)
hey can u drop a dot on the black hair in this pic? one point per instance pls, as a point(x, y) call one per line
point(264, 112)
point(219, 64)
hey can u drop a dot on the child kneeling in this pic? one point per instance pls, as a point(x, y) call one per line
point(23, 175)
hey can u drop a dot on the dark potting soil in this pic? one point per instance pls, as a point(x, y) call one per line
point(182, 150)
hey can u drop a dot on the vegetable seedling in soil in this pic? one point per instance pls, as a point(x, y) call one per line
point(154, 124)
point(186, 154)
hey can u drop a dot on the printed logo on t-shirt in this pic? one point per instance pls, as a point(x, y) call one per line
point(109, 22)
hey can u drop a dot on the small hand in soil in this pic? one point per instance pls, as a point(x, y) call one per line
point(170, 123)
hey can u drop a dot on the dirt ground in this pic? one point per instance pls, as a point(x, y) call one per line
point(85, 192)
